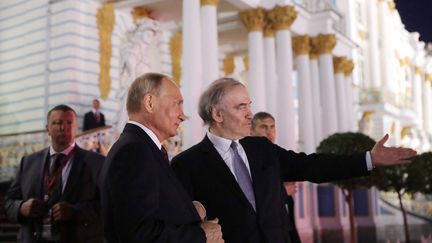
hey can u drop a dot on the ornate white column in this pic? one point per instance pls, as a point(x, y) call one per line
point(338, 65)
point(315, 82)
point(270, 68)
point(191, 84)
point(325, 45)
point(209, 37)
point(282, 19)
point(301, 47)
point(254, 21)
point(349, 93)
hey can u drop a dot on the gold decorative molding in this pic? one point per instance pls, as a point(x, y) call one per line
point(301, 45)
point(269, 30)
point(176, 54)
point(246, 63)
point(229, 65)
point(140, 12)
point(105, 22)
point(282, 17)
point(405, 131)
point(209, 2)
point(339, 64)
point(391, 5)
point(418, 70)
point(348, 67)
point(253, 19)
point(325, 43)
point(313, 54)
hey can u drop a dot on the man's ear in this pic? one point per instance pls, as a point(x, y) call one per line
point(148, 102)
point(216, 114)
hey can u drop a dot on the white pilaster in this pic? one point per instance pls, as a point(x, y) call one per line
point(209, 37)
point(191, 84)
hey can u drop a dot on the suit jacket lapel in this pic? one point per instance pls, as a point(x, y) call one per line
point(74, 173)
point(39, 176)
point(225, 176)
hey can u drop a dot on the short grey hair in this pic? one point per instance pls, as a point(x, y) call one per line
point(260, 116)
point(144, 84)
point(212, 97)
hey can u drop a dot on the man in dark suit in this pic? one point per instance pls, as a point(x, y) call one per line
point(94, 118)
point(55, 196)
point(264, 125)
point(142, 199)
point(238, 178)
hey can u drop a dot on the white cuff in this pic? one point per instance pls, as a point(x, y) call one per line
point(369, 161)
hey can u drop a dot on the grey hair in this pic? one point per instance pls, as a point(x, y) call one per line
point(212, 97)
point(260, 116)
point(144, 84)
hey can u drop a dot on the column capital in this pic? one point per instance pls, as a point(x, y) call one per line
point(325, 43)
point(269, 30)
point(301, 45)
point(338, 64)
point(418, 70)
point(140, 12)
point(282, 17)
point(209, 2)
point(313, 54)
point(349, 67)
point(229, 64)
point(253, 19)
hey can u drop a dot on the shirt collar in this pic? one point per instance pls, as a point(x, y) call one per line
point(65, 152)
point(220, 143)
point(95, 111)
point(149, 132)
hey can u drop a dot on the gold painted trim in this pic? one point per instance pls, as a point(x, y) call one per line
point(105, 21)
point(209, 2)
point(176, 50)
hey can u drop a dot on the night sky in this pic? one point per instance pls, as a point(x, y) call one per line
point(417, 17)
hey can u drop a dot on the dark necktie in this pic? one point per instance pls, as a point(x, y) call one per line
point(164, 153)
point(243, 178)
point(56, 175)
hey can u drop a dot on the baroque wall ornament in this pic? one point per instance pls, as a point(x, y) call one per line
point(229, 64)
point(105, 22)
